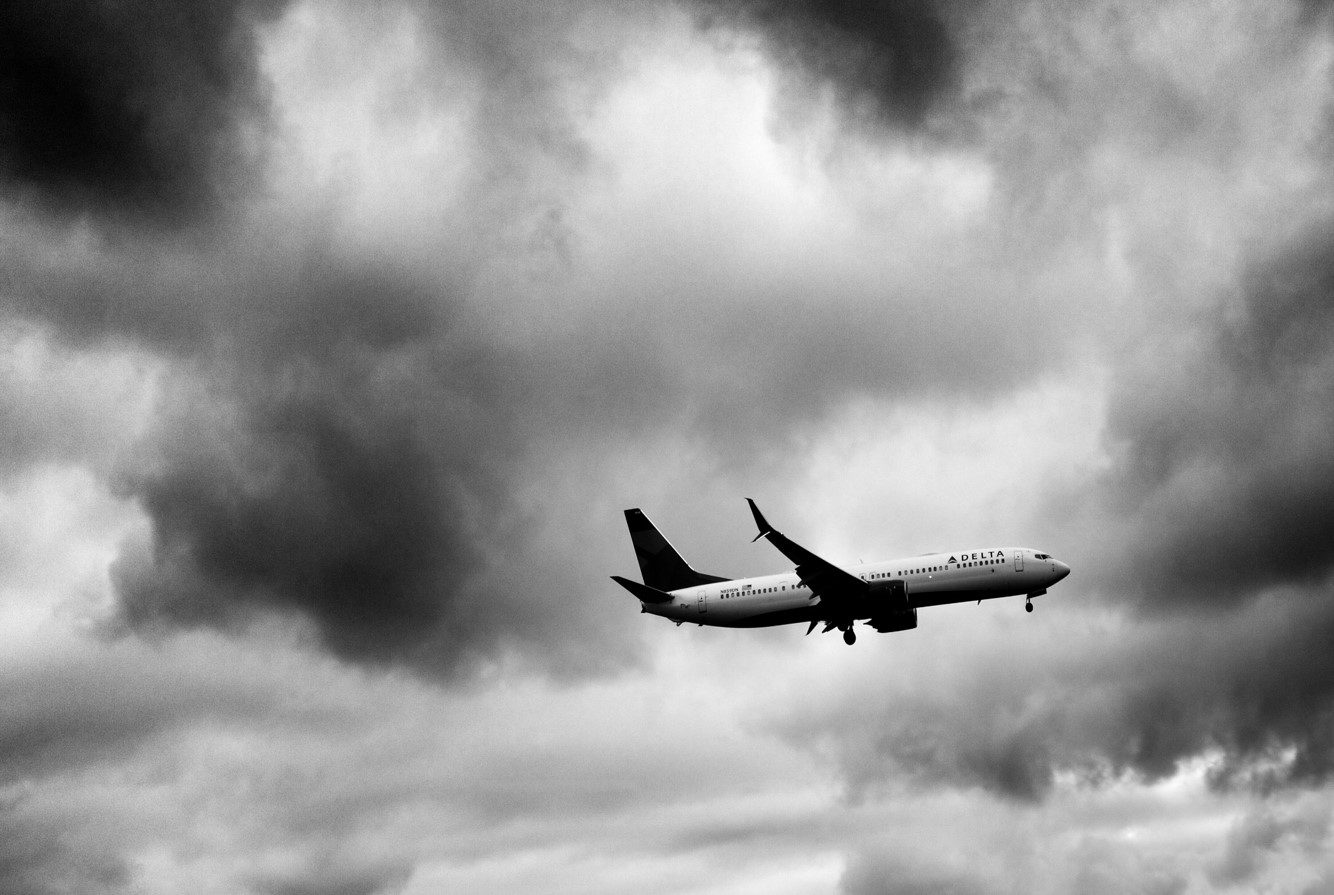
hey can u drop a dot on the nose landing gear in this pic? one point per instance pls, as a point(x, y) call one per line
point(1028, 600)
point(849, 636)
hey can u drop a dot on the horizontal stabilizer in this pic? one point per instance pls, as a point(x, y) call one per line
point(643, 591)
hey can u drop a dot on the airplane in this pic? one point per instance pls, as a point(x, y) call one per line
point(886, 595)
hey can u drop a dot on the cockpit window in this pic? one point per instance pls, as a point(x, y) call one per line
point(1042, 556)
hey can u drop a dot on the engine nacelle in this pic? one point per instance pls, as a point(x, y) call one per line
point(891, 610)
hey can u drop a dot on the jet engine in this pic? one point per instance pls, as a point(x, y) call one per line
point(890, 608)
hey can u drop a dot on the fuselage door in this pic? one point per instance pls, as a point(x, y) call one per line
point(703, 596)
point(1018, 560)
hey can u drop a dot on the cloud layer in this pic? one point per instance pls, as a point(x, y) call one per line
point(336, 339)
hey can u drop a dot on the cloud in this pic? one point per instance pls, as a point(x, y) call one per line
point(1103, 866)
point(78, 714)
point(1263, 833)
point(148, 109)
point(490, 273)
point(1213, 518)
point(1086, 698)
point(351, 436)
point(333, 878)
point(272, 768)
point(353, 439)
point(88, 707)
point(897, 59)
point(47, 856)
point(883, 875)
point(63, 406)
point(345, 463)
point(1226, 467)
point(340, 440)
point(478, 276)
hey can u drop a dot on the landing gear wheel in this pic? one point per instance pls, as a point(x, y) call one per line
point(1028, 607)
point(849, 637)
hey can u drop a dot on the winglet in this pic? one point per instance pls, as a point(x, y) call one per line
point(760, 522)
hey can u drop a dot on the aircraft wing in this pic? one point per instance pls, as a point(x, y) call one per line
point(840, 591)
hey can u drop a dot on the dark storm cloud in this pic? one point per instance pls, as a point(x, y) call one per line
point(336, 439)
point(137, 107)
point(1262, 697)
point(345, 446)
point(899, 55)
point(1215, 523)
point(1228, 467)
point(344, 461)
point(1253, 691)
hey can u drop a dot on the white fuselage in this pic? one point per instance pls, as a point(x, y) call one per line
point(930, 580)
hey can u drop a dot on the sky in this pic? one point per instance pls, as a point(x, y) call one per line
point(335, 337)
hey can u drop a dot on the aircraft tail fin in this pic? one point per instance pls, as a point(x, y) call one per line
point(662, 567)
point(643, 591)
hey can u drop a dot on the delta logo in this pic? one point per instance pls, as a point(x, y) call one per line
point(981, 554)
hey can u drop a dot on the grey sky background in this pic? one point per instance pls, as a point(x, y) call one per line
point(335, 340)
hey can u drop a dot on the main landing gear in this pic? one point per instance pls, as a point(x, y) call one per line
point(849, 636)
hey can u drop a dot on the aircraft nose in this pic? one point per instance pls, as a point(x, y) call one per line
point(1061, 569)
